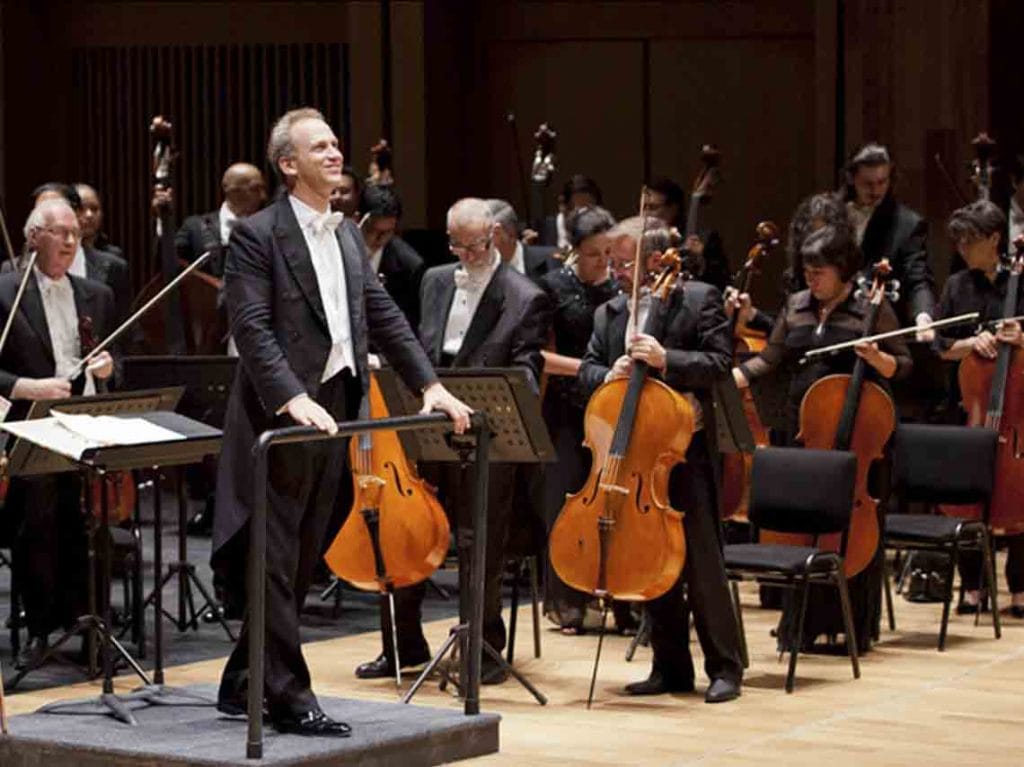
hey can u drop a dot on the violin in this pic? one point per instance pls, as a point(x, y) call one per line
point(619, 537)
point(397, 534)
point(993, 396)
point(118, 485)
point(746, 343)
point(846, 412)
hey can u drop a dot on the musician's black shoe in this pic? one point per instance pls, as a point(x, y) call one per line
point(658, 684)
point(238, 705)
point(314, 722)
point(1017, 611)
point(492, 672)
point(31, 654)
point(381, 667)
point(722, 690)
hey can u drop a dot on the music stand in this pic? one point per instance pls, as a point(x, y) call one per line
point(517, 435)
point(207, 384)
point(97, 460)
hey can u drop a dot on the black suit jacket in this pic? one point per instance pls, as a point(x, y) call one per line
point(29, 351)
point(401, 271)
point(280, 327)
point(199, 234)
point(539, 260)
point(112, 270)
point(898, 233)
point(509, 328)
point(692, 327)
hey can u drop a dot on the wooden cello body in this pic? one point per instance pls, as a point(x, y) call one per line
point(412, 527)
point(992, 393)
point(619, 537)
point(845, 412)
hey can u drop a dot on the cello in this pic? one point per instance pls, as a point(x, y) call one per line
point(845, 412)
point(736, 466)
point(397, 534)
point(618, 537)
point(993, 396)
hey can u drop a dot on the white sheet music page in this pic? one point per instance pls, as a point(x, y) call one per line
point(109, 430)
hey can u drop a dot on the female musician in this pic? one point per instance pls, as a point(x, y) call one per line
point(689, 349)
point(977, 230)
point(829, 311)
point(575, 291)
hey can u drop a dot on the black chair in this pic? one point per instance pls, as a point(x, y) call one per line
point(797, 490)
point(943, 464)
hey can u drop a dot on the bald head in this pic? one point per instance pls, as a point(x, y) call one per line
point(244, 187)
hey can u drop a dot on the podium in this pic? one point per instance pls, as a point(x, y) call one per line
point(146, 439)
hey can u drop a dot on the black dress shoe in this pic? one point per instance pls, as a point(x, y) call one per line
point(492, 672)
point(722, 690)
point(31, 655)
point(1017, 611)
point(658, 684)
point(313, 722)
point(238, 706)
point(381, 667)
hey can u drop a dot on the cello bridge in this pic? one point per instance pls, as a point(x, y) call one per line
point(608, 488)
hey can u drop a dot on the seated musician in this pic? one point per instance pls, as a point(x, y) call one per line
point(689, 350)
point(977, 229)
point(477, 313)
point(394, 261)
point(345, 198)
point(828, 311)
point(245, 192)
point(532, 260)
point(42, 513)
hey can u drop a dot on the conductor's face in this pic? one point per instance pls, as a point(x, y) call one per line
point(316, 161)
point(56, 242)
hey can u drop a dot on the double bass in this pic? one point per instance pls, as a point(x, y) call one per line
point(993, 395)
point(704, 184)
point(736, 466)
point(618, 537)
point(396, 534)
point(846, 412)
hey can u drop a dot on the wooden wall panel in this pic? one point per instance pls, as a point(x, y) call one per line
point(754, 99)
point(590, 92)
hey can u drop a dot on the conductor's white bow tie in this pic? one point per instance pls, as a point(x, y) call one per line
point(326, 222)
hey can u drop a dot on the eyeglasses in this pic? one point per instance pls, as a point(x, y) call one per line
point(473, 247)
point(63, 232)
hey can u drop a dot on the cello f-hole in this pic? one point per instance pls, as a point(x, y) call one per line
point(402, 489)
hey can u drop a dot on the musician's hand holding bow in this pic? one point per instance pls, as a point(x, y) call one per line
point(876, 358)
point(436, 397)
point(101, 366)
point(648, 349)
point(41, 388)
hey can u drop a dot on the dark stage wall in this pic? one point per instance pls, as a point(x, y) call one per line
point(633, 88)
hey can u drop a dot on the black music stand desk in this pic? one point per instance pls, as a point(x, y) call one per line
point(193, 441)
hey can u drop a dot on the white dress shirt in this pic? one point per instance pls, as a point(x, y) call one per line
point(77, 267)
point(227, 219)
point(860, 217)
point(325, 253)
point(469, 289)
point(375, 257)
point(518, 261)
point(645, 310)
point(62, 322)
point(1016, 222)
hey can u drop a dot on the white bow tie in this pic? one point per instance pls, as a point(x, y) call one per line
point(466, 281)
point(326, 222)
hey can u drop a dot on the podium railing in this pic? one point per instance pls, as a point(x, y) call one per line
point(257, 568)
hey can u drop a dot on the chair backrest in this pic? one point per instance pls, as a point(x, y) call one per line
point(798, 490)
point(944, 464)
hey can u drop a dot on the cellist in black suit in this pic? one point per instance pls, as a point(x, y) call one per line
point(303, 309)
point(477, 313)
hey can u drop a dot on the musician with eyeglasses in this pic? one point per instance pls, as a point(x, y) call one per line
point(476, 313)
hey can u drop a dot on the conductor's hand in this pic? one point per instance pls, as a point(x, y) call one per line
point(307, 412)
point(41, 388)
point(101, 366)
point(648, 349)
point(436, 397)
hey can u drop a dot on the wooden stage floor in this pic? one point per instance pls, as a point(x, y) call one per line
point(912, 706)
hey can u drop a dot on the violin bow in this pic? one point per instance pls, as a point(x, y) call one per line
point(960, 319)
point(102, 345)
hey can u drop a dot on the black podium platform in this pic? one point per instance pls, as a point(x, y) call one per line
point(383, 734)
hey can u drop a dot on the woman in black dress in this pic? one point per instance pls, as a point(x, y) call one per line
point(576, 291)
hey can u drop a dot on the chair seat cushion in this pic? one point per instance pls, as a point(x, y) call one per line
point(931, 528)
point(769, 557)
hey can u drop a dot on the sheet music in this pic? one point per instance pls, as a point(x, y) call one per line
point(71, 435)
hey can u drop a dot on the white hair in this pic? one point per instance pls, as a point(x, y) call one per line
point(470, 210)
point(279, 145)
point(44, 212)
